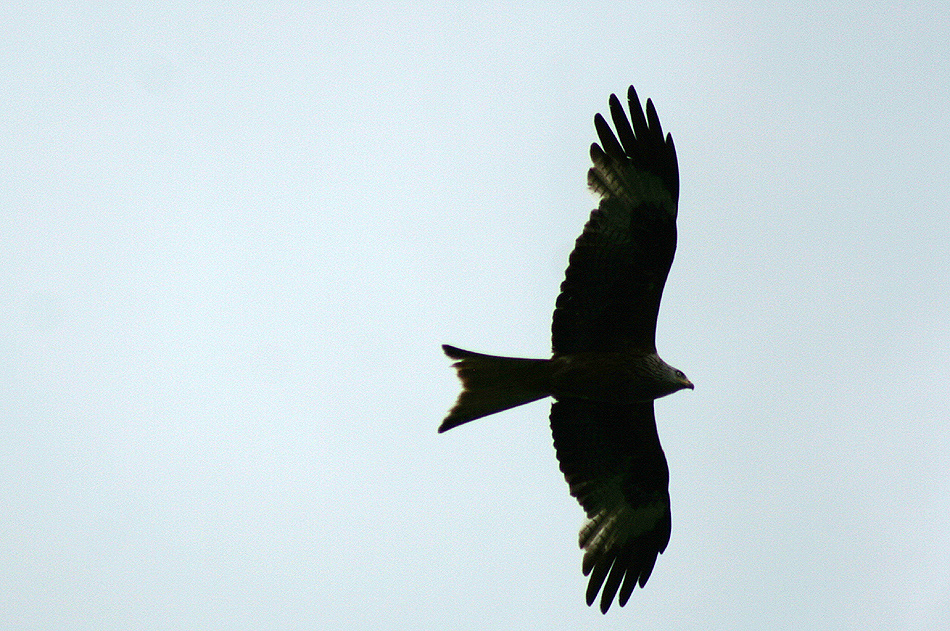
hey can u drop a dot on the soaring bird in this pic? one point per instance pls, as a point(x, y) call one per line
point(604, 372)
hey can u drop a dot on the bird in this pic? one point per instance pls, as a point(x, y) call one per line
point(604, 372)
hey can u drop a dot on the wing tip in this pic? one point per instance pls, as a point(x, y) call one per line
point(641, 140)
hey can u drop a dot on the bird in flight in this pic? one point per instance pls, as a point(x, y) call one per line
point(604, 372)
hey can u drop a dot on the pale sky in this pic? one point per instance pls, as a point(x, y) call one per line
point(234, 239)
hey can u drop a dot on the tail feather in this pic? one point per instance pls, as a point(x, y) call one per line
point(491, 384)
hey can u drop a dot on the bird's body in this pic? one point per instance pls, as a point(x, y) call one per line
point(622, 377)
point(604, 372)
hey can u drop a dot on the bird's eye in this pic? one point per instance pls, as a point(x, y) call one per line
point(680, 374)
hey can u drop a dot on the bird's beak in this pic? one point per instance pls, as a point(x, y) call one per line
point(688, 384)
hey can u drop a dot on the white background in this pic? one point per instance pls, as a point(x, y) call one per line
point(233, 240)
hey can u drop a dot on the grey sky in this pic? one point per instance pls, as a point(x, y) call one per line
point(233, 240)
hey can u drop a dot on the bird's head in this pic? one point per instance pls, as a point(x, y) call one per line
point(679, 378)
point(673, 379)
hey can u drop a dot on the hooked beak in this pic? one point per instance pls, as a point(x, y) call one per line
point(687, 384)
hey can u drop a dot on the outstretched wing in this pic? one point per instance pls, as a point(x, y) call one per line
point(611, 457)
point(611, 292)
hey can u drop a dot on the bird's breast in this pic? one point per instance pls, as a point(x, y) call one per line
point(612, 377)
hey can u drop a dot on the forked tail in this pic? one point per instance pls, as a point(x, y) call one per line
point(491, 384)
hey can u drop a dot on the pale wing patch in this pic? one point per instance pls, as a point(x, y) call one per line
point(613, 526)
point(629, 186)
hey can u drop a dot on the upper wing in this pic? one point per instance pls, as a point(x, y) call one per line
point(611, 292)
point(611, 457)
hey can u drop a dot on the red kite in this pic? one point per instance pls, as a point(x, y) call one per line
point(604, 372)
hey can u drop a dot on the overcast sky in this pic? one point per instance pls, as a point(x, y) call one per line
point(231, 242)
